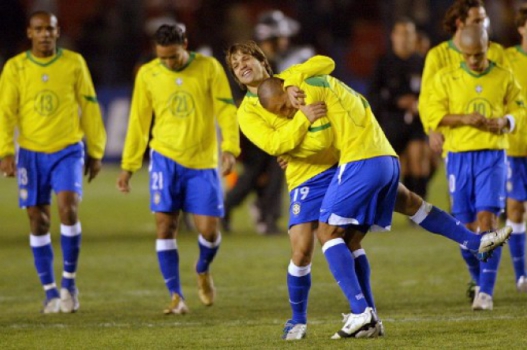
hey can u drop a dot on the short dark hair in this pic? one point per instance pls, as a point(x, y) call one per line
point(167, 35)
point(248, 47)
point(39, 13)
point(459, 10)
point(521, 16)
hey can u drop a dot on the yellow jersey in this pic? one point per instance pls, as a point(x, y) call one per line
point(444, 55)
point(518, 140)
point(186, 104)
point(493, 93)
point(357, 133)
point(52, 103)
point(307, 147)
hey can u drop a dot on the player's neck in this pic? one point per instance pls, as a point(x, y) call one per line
point(43, 54)
point(524, 45)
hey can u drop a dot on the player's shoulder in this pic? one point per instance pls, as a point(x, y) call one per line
point(496, 46)
point(449, 71)
point(442, 47)
point(16, 61)
point(70, 55)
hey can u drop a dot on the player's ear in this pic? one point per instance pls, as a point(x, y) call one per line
point(29, 33)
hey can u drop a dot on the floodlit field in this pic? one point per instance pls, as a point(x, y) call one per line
point(419, 282)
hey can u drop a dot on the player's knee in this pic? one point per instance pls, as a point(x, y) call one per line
point(39, 223)
point(68, 214)
point(301, 258)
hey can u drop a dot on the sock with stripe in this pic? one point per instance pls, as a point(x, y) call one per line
point(207, 252)
point(168, 258)
point(298, 285)
point(43, 259)
point(517, 248)
point(362, 269)
point(70, 241)
point(488, 272)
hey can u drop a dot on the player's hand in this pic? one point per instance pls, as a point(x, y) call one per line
point(436, 141)
point(123, 181)
point(475, 119)
point(296, 96)
point(314, 111)
point(228, 161)
point(282, 162)
point(7, 166)
point(497, 125)
point(92, 168)
point(408, 102)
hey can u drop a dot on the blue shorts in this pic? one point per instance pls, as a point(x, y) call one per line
point(476, 182)
point(306, 199)
point(174, 187)
point(39, 173)
point(363, 193)
point(517, 178)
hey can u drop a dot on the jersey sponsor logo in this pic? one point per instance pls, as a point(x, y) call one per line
point(181, 104)
point(46, 103)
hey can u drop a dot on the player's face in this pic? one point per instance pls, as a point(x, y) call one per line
point(404, 38)
point(247, 69)
point(476, 58)
point(173, 56)
point(476, 15)
point(43, 31)
point(280, 105)
point(523, 31)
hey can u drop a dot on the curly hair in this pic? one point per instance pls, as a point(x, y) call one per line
point(459, 10)
point(167, 35)
point(248, 47)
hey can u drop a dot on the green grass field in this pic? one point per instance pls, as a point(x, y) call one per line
point(419, 282)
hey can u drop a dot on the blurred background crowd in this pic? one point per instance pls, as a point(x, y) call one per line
point(114, 38)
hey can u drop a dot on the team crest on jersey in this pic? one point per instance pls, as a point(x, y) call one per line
point(23, 194)
point(45, 78)
point(179, 81)
point(296, 208)
point(157, 198)
point(479, 89)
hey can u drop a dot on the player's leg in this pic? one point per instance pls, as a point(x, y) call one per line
point(35, 195)
point(301, 237)
point(516, 198)
point(66, 181)
point(166, 202)
point(203, 197)
point(168, 258)
point(515, 219)
point(353, 239)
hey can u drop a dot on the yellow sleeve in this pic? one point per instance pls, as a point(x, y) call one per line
point(432, 66)
point(8, 109)
point(138, 125)
point(438, 103)
point(316, 65)
point(515, 104)
point(319, 137)
point(225, 110)
point(91, 118)
point(273, 141)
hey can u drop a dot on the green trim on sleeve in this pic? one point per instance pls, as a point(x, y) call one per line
point(90, 98)
point(227, 100)
point(319, 128)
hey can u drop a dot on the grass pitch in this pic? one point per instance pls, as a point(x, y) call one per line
point(419, 283)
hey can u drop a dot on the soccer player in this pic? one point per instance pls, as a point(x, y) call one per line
point(462, 13)
point(517, 162)
point(187, 92)
point(48, 95)
point(393, 95)
point(311, 166)
point(365, 190)
point(478, 101)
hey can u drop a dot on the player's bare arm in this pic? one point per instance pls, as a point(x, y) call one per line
point(123, 181)
point(7, 166)
point(92, 168)
point(498, 125)
point(474, 119)
point(296, 96)
point(228, 160)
